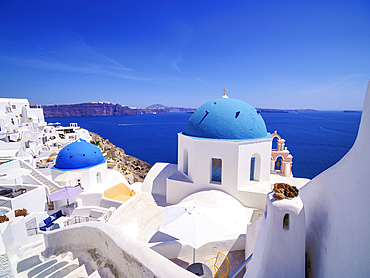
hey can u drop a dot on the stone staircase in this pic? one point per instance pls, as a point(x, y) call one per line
point(63, 265)
point(37, 177)
point(53, 187)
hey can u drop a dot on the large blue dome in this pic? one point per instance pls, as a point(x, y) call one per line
point(226, 118)
point(79, 155)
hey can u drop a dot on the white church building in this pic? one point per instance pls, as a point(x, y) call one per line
point(225, 147)
point(86, 161)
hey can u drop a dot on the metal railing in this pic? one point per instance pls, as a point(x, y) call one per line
point(36, 229)
point(7, 201)
point(77, 219)
point(236, 272)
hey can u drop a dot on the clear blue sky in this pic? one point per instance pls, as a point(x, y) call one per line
point(271, 54)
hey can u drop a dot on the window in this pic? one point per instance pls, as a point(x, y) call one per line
point(13, 106)
point(274, 143)
point(286, 222)
point(216, 169)
point(253, 161)
point(265, 212)
point(31, 227)
point(98, 177)
point(185, 162)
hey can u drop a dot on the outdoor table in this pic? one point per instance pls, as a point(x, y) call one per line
point(200, 269)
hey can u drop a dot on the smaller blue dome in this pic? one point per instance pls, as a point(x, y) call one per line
point(226, 119)
point(79, 155)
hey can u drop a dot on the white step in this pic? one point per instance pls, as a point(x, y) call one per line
point(66, 258)
point(65, 270)
point(33, 271)
point(78, 273)
point(28, 263)
point(95, 274)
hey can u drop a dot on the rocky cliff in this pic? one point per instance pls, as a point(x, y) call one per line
point(105, 109)
point(87, 109)
point(117, 155)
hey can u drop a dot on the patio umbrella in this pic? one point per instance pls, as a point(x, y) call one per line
point(65, 193)
point(194, 223)
point(14, 173)
point(68, 176)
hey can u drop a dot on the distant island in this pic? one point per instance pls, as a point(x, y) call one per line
point(270, 110)
point(352, 111)
point(92, 109)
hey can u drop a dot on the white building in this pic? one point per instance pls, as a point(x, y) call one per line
point(24, 134)
point(331, 222)
point(19, 124)
point(280, 247)
point(84, 159)
point(225, 146)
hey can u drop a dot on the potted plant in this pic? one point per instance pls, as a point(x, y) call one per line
point(20, 212)
point(3, 218)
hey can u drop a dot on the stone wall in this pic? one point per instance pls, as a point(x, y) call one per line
point(108, 247)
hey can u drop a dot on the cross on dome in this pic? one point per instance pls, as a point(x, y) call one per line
point(225, 90)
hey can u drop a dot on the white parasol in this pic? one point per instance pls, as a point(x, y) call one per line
point(194, 223)
point(14, 173)
point(68, 177)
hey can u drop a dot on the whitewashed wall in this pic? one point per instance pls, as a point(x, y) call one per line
point(279, 251)
point(127, 256)
point(337, 212)
point(34, 200)
point(236, 157)
point(16, 243)
point(88, 176)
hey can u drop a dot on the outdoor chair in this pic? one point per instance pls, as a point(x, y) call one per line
point(16, 194)
point(5, 191)
point(219, 265)
point(50, 220)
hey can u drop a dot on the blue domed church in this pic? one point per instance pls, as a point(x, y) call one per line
point(87, 163)
point(225, 146)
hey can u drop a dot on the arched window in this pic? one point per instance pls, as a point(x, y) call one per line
point(274, 143)
point(255, 167)
point(216, 169)
point(286, 222)
point(253, 161)
point(185, 162)
point(98, 177)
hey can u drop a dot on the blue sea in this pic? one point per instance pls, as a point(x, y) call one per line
point(317, 140)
